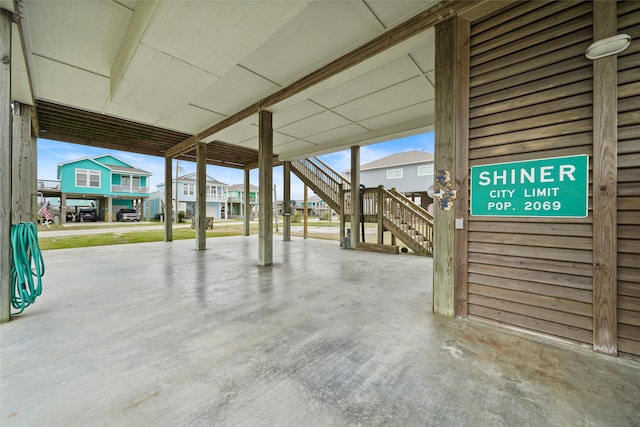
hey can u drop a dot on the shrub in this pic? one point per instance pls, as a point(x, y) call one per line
point(296, 217)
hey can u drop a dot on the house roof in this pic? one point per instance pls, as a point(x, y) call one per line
point(398, 159)
point(128, 170)
point(191, 177)
point(113, 168)
point(240, 187)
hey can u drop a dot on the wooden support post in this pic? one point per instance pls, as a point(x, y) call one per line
point(168, 199)
point(341, 213)
point(605, 139)
point(201, 196)
point(305, 212)
point(23, 186)
point(63, 207)
point(34, 173)
point(265, 160)
point(286, 202)
point(5, 165)
point(247, 203)
point(461, 206)
point(451, 140)
point(109, 209)
point(380, 214)
point(355, 196)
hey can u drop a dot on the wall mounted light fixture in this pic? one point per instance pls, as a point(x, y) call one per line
point(609, 46)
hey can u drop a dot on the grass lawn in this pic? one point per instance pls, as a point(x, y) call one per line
point(142, 236)
point(130, 235)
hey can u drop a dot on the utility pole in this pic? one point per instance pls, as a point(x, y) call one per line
point(275, 205)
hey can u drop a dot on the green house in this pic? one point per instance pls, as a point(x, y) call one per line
point(104, 182)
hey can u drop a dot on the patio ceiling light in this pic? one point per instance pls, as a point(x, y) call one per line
point(609, 46)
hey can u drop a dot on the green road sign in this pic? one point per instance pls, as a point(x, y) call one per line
point(553, 187)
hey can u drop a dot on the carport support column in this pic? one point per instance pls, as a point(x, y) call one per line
point(451, 152)
point(23, 184)
point(5, 166)
point(355, 196)
point(201, 198)
point(63, 207)
point(286, 203)
point(110, 209)
point(343, 220)
point(605, 155)
point(247, 202)
point(168, 199)
point(265, 163)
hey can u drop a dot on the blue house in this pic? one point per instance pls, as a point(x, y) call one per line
point(184, 188)
point(104, 182)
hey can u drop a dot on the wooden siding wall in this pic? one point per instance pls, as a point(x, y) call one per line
point(629, 181)
point(531, 97)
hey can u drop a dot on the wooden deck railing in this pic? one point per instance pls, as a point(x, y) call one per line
point(410, 223)
point(48, 184)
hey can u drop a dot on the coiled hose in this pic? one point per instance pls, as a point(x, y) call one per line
point(27, 267)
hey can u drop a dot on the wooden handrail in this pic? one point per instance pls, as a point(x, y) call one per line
point(411, 203)
point(331, 172)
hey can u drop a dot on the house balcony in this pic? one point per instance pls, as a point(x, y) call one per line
point(127, 189)
point(49, 184)
point(252, 200)
point(216, 198)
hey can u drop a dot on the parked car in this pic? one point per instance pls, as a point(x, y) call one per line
point(85, 215)
point(127, 215)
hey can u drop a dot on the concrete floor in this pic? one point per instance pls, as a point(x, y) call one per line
point(158, 334)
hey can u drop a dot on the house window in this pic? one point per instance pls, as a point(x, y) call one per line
point(188, 189)
point(394, 173)
point(214, 192)
point(87, 178)
point(425, 170)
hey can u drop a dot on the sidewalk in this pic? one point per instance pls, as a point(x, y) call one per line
point(73, 228)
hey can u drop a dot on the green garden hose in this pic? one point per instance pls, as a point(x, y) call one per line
point(27, 267)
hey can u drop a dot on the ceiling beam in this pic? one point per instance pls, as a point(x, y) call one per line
point(135, 31)
point(384, 41)
point(254, 165)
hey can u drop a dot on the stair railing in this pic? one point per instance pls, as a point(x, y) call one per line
point(415, 222)
point(322, 179)
point(407, 201)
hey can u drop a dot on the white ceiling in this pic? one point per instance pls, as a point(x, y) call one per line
point(186, 65)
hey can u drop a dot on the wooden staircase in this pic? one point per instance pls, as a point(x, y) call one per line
point(407, 221)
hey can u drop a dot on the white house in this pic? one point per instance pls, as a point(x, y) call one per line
point(409, 172)
point(184, 189)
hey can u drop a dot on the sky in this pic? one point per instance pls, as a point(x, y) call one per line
point(51, 153)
